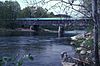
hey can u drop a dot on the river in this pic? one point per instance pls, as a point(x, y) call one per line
point(46, 50)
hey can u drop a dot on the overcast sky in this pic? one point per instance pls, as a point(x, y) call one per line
point(21, 2)
point(59, 8)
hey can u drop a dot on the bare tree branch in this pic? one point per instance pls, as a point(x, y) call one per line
point(53, 6)
point(68, 4)
point(79, 12)
point(73, 4)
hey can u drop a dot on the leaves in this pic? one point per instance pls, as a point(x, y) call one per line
point(30, 57)
point(35, 12)
point(14, 60)
point(19, 63)
point(8, 10)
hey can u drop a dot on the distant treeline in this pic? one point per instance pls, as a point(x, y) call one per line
point(12, 10)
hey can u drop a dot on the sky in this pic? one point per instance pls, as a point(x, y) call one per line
point(57, 7)
point(21, 2)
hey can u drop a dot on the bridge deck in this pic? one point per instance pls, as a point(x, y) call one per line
point(50, 21)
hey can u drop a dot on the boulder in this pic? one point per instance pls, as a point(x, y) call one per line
point(82, 52)
point(79, 49)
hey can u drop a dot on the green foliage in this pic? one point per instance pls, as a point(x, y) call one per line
point(4, 60)
point(30, 57)
point(14, 60)
point(78, 42)
point(26, 12)
point(90, 27)
point(89, 42)
point(8, 10)
point(85, 42)
point(20, 63)
point(35, 12)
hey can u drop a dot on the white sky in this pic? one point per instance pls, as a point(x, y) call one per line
point(60, 8)
point(21, 2)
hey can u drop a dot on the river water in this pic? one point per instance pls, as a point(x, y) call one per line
point(46, 50)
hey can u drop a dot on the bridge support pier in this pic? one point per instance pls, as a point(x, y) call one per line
point(61, 31)
point(36, 28)
point(31, 27)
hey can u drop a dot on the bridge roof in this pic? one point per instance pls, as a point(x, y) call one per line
point(52, 19)
point(41, 18)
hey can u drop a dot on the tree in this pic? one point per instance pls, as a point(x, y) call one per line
point(9, 10)
point(40, 12)
point(51, 14)
point(94, 7)
point(95, 20)
point(35, 12)
point(26, 12)
point(1, 9)
point(87, 9)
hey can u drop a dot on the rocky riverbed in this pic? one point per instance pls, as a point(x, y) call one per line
point(84, 47)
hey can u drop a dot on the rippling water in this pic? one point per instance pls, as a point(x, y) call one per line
point(45, 50)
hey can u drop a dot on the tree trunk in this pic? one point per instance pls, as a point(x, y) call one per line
point(95, 20)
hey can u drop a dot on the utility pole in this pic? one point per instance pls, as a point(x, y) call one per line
point(95, 20)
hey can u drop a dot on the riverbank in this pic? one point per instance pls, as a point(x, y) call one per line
point(84, 47)
point(19, 29)
point(4, 29)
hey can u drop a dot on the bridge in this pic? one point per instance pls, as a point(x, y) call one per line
point(51, 21)
point(61, 22)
